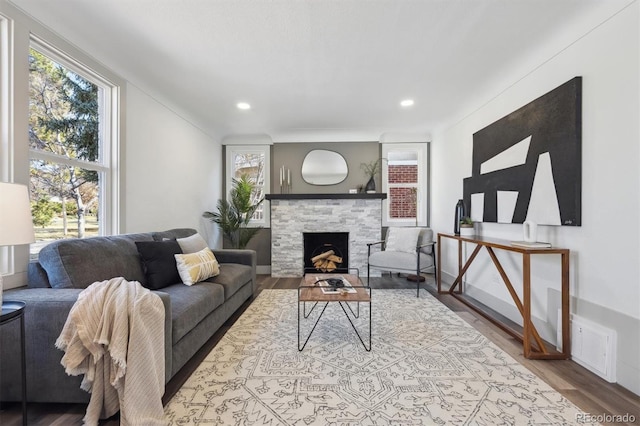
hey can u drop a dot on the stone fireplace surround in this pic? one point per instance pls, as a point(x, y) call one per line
point(293, 214)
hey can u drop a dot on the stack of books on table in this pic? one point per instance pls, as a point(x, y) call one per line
point(527, 244)
point(329, 289)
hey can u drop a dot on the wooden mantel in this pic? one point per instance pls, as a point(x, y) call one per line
point(341, 196)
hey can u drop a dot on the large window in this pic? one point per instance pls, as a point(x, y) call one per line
point(70, 145)
point(405, 180)
point(253, 162)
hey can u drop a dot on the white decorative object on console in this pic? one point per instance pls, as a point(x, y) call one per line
point(16, 226)
point(467, 231)
point(530, 231)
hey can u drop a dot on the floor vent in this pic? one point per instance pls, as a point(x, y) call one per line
point(592, 346)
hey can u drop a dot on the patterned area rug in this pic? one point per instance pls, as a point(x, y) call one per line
point(427, 367)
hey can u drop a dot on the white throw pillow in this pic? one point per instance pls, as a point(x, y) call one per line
point(196, 267)
point(192, 244)
point(402, 239)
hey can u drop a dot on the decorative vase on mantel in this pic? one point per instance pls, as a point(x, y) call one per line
point(371, 186)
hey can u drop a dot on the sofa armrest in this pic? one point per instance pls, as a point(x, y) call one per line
point(37, 276)
point(427, 247)
point(45, 314)
point(243, 257)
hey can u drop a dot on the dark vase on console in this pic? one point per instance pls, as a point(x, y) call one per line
point(460, 213)
point(371, 185)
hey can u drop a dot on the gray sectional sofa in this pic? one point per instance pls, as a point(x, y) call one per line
point(192, 313)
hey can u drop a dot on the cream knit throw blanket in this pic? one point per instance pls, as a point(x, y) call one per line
point(114, 335)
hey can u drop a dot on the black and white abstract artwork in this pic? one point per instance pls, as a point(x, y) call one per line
point(527, 165)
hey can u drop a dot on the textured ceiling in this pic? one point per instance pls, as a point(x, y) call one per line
point(319, 66)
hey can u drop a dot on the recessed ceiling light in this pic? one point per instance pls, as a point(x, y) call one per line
point(407, 103)
point(243, 105)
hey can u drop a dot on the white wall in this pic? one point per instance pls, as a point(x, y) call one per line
point(14, 146)
point(172, 169)
point(605, 249)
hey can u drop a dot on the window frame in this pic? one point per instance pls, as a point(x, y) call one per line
point(7, 254)
point(107, 163)
point(7, 94)
point(423, 184)
point(265, 150)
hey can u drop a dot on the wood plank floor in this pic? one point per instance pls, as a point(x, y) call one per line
point(589, 392)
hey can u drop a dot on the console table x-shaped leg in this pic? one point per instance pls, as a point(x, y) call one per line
point(524, 306)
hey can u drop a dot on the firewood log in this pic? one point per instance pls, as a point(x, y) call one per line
point(322, 256)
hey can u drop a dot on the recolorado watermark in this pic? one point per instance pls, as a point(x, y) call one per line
point(605, 418)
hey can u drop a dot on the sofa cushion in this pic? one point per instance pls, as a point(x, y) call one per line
point(196, 267)
point(159, 263)
point(397, 260)
point(190, 305)
point(192, 244)
point(78, 263)
point(232, 277)
point(402, 239)
point(173, 234)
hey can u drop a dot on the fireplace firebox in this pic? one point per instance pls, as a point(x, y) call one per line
point(326, 252)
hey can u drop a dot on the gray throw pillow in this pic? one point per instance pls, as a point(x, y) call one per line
point(192, 244)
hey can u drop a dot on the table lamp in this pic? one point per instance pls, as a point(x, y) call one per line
point(16, 226)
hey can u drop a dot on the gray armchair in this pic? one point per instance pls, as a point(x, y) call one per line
point(404, 250)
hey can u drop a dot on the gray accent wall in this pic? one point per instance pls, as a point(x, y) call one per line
point(291, 155)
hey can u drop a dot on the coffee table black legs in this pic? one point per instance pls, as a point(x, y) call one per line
point(356, 314)
point(314, 325)
point(368, 349)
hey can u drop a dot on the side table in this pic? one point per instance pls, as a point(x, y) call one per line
point(12, 311)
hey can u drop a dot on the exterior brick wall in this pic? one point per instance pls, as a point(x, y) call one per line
point(402, 204)
point(403, 174)
point(402, 199)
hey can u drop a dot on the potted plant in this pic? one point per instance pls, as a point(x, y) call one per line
point(467, 227)
point(233, 215)
point(371, 169)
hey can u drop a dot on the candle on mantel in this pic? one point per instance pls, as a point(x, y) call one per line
point(288, 176)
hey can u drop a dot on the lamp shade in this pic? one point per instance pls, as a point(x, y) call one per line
point(16, 226)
